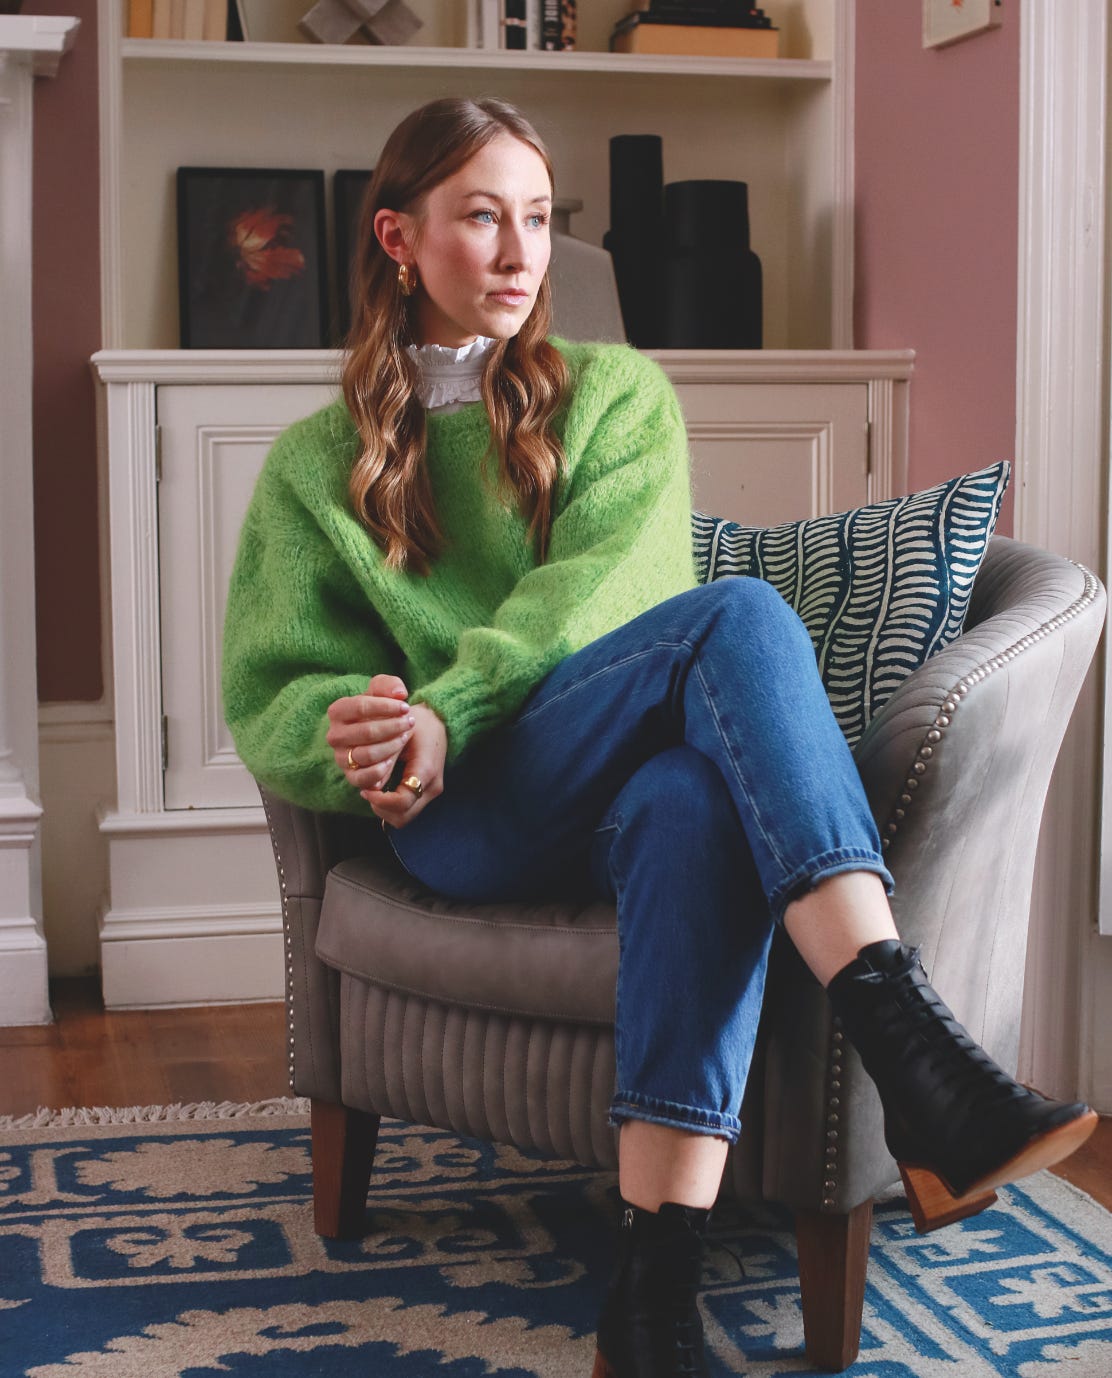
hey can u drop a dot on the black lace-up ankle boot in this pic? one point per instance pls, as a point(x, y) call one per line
point(955, 1122)
point(650, 1325)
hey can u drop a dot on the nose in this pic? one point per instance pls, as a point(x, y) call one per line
point(514, 252)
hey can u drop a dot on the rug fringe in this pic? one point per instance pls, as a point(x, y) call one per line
point(155, 1114)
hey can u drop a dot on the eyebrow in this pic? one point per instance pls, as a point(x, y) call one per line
point(497, 196)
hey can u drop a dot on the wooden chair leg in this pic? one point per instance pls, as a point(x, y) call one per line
point(833, 1258)
point(343, 1155)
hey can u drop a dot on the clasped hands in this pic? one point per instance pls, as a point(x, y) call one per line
point(368, 732)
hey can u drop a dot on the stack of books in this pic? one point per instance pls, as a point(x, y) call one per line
point(523, 24)
point(192, 19)
point(702, 28)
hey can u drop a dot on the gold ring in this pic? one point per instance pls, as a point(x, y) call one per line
point(353, 764)
point(413, 782)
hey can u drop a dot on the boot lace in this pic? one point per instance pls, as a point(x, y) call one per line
point(925, 1025)
point(687, 1324)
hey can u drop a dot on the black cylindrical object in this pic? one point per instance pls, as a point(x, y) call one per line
point(713, 284)
point(636, 182)
point(635, 239)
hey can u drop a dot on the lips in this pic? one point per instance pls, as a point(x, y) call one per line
point(509, 297)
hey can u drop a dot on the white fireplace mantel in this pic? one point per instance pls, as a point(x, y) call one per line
point(30, 46)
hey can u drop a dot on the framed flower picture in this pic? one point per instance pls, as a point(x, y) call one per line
point(251, 258)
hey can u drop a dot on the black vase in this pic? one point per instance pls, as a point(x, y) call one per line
point(635, 239)
point(712, 279)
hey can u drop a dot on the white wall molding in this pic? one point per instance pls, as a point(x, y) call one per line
point(842, 230)
point(1060, 489)
point(30, 46)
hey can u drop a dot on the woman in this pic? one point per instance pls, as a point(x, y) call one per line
point(473, 575)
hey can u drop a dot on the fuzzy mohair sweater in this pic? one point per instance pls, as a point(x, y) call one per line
point(313, 612)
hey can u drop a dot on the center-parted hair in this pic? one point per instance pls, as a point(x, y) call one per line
point(524, 380)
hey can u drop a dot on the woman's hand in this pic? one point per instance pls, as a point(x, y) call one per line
point(424, 755)
point(367, 731)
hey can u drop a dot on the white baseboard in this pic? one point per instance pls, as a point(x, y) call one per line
point(215, 969)
point(24, 998)
point(77, 770)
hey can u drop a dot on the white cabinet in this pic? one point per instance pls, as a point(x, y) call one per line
point(193, 913)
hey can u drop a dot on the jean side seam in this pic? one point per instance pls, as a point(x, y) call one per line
point(618, 892)
point(742, 781)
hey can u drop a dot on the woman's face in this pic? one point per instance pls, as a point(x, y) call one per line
point(482, 246)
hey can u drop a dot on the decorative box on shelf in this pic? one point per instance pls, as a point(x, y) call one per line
point(708, 28)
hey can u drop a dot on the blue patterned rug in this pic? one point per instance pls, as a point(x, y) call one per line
point(186, 1247)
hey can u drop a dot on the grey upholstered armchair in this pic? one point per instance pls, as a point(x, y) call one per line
point(404, 1004)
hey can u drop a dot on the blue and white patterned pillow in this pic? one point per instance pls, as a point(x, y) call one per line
point(880, 589)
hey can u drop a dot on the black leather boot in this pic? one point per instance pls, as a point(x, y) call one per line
point(650, 1325)
point(955, 1122)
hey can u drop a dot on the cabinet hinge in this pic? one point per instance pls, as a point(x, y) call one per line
point(158, 454)
point(165, 742)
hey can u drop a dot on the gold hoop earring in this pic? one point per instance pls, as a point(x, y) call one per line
point(407, 279)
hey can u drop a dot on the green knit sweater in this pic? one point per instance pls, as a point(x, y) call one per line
point(314, 613)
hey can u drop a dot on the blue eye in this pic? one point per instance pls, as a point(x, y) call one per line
point(538, 221)
point(476, 215)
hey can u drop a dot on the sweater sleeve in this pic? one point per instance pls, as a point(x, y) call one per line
point(620, 544)
point(298, 634)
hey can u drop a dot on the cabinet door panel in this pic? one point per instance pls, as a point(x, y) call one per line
point(214, 440)
point(764, 453)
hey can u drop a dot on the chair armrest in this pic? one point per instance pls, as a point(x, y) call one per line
point(306, 847)
point(956, 767)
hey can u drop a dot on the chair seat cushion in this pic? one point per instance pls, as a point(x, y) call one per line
point(556, 960)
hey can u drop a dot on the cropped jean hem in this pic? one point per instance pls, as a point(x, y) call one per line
point(631, 1105)
point(827, 864)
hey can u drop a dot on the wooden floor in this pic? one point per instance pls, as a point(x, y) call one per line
point(222, 1053)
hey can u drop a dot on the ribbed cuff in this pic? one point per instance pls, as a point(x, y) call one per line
point(461, 697)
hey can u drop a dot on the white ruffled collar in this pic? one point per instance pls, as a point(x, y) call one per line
point(450, 378)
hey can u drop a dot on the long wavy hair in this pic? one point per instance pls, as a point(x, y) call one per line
point(524, 380)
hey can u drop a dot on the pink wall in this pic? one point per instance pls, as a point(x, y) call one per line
point(937, 174)
point(66, 326)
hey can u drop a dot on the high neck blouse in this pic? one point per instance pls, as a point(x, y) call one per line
point(450, 378)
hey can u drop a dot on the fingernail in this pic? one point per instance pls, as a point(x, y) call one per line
point(411, 720)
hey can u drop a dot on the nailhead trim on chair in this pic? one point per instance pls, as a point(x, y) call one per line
point(287, 941)
point(924, 756)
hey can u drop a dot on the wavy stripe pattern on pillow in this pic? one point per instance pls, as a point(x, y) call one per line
point(880, 589)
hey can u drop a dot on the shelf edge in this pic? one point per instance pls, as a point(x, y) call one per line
point(359, 55)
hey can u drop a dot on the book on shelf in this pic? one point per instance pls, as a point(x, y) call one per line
point(215, 27)
point(724, 14)
point(161, 19)
point(192, 20)
point(550, 25)
point(140, 19)
point(513, 24)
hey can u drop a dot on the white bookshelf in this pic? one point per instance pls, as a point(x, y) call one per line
point(783, 126)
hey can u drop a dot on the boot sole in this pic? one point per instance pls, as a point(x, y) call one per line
point(934, 1203)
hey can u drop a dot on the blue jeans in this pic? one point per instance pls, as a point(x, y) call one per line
point(687, 767)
